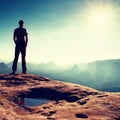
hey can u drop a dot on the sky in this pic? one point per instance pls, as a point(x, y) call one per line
point(62, 31)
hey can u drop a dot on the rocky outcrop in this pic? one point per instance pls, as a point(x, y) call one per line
point(67, 101)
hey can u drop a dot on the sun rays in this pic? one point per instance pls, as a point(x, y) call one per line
point(101, 16)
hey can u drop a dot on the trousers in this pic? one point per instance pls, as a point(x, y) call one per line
point(19, 49)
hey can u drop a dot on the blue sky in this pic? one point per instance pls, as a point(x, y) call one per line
point(62, 31)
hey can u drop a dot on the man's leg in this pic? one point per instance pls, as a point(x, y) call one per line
point(14, 66)
point(23, 53)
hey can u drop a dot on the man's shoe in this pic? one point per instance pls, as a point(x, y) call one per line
point(12, 73)
point(24, 72)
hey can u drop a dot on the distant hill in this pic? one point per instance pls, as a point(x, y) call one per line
point(4, 68)
point(102, 75)
point(106, 74)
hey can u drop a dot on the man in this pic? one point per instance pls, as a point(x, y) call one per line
point(21, 39)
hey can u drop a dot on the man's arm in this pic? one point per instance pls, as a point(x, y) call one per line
point(26, 37)
point(14, 37)
point(26, 40)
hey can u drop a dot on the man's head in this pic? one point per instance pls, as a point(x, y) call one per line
point(21, 23)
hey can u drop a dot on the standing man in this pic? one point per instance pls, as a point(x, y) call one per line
point(21, 39)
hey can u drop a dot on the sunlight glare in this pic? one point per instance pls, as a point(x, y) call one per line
point(101, 17)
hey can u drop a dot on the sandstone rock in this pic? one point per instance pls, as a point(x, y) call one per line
point(67, 101)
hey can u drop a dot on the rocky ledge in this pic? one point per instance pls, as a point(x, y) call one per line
point(67, 101)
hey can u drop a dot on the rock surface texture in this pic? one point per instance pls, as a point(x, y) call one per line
point(67, 101)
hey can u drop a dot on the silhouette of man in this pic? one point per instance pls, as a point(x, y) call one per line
point(20, 39)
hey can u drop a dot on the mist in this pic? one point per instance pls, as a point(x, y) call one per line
point(102, 75)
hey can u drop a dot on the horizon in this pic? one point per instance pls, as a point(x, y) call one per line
point(64, 32)
point(61, 65)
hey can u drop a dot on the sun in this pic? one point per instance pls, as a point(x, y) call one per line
point(100, 16)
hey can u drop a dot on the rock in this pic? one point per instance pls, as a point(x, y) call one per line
point(67, 101)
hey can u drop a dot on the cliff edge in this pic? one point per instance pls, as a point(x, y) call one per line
point(67, 101)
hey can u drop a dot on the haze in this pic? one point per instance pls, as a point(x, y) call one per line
point(62, 31)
